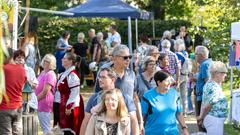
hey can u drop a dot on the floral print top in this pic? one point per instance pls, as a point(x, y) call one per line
point(213, 95)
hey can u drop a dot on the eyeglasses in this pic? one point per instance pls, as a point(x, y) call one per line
point(222, 72)
point(126, 57)
point(103, 77)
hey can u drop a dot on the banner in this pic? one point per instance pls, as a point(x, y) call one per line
point(237, 58)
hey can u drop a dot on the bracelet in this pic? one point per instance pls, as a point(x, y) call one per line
point(183, 127)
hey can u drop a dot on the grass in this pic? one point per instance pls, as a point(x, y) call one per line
point(228, 128)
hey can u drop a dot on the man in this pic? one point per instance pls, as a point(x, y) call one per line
point(201, 56)
point(11, 107)
point(115, 39)
point(93, 40)
point(107, 80)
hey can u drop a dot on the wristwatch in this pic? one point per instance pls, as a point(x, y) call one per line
point(183, 127)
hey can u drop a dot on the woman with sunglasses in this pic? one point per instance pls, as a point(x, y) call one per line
point(145, 81)
point(161, 108)
point(214, 108)
point(112, 118)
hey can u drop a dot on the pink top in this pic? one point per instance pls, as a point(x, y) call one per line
point(46, 104)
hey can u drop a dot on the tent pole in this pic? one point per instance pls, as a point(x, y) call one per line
point(136, 30)
point(130, 39)
point(231, 91)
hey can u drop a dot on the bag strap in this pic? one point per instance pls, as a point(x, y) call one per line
point(149, 111)
point(145, 81)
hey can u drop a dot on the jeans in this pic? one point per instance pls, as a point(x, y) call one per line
point(11, 122)
point(189, 99)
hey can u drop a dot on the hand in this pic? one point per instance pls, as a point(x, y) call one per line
point(199, 121)
point(185, 131)
point(68, 112)
point(141, 128)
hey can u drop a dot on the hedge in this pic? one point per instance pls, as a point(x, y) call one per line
point(50, 30)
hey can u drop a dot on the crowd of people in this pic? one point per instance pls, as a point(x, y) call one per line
point(152, 98)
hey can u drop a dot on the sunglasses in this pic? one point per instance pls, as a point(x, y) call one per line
point(126, 57)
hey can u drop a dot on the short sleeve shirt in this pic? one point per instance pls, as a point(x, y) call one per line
point(164, 108)
point(115, 38)
point(213, 95)
point(202, 75)
point(46, 104)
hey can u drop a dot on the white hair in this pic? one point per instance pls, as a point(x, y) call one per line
point(167, 34)
point(165, 44)
point(51, 59)
point(202, 50)
point(179, 45)
point(81, 34)
point(217, 66)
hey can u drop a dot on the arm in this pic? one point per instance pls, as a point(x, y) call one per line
point(139, 111)
point(90, 130)
point(47, 87)
point(114, 43)
point(182, 124)
point(204, 112)
point(134, 123)
point(98, 54)
point(95, 52)
point(73, 83)
point(85, 123)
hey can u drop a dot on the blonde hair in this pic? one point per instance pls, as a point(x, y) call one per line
point(51, 59)
point(121, 109)
point(81, 34)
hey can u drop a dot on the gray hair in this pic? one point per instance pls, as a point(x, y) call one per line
point(119, 49)
point(99, 34)
point(51, 59)
point(202, 50)
point(166, 44)
point(217, 66)
point(151, 49)
point(146, 61)
point(167, 34)
point(180, 45)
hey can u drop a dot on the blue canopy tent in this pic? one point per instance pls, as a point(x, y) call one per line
point(112, 9)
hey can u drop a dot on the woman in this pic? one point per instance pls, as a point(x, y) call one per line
point(161, 108)
point(45, 91)
point(163, 61)
point(62, 47)
point(112, 118)
point(81, 49)
point(214, 102)
point(182, 57)
point(145, 81)
point(30, 50)
point(68, 87)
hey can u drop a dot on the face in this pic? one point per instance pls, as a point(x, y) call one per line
point(80, 39)
point(20, 60)
point(221, 76)
point(104, 80)
point(155, 54)
point(111, 29)
point(198, 57)
point(151, 67)
point(46, 64)
point(183, 29)
point(91, 34)
point(123, 59)
point(165, 61)
point(165, 84)
point(111, 101)
point(66, 62)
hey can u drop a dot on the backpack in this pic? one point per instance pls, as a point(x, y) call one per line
point(186, 65)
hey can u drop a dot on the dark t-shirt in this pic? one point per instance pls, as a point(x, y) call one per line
point(80, 49)
point(93, 42)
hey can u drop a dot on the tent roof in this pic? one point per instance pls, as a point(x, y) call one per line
point(107, 8)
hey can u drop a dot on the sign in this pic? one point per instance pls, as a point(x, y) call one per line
point(235, 31)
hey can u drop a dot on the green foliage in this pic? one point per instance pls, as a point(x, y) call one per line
point(51, 29)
